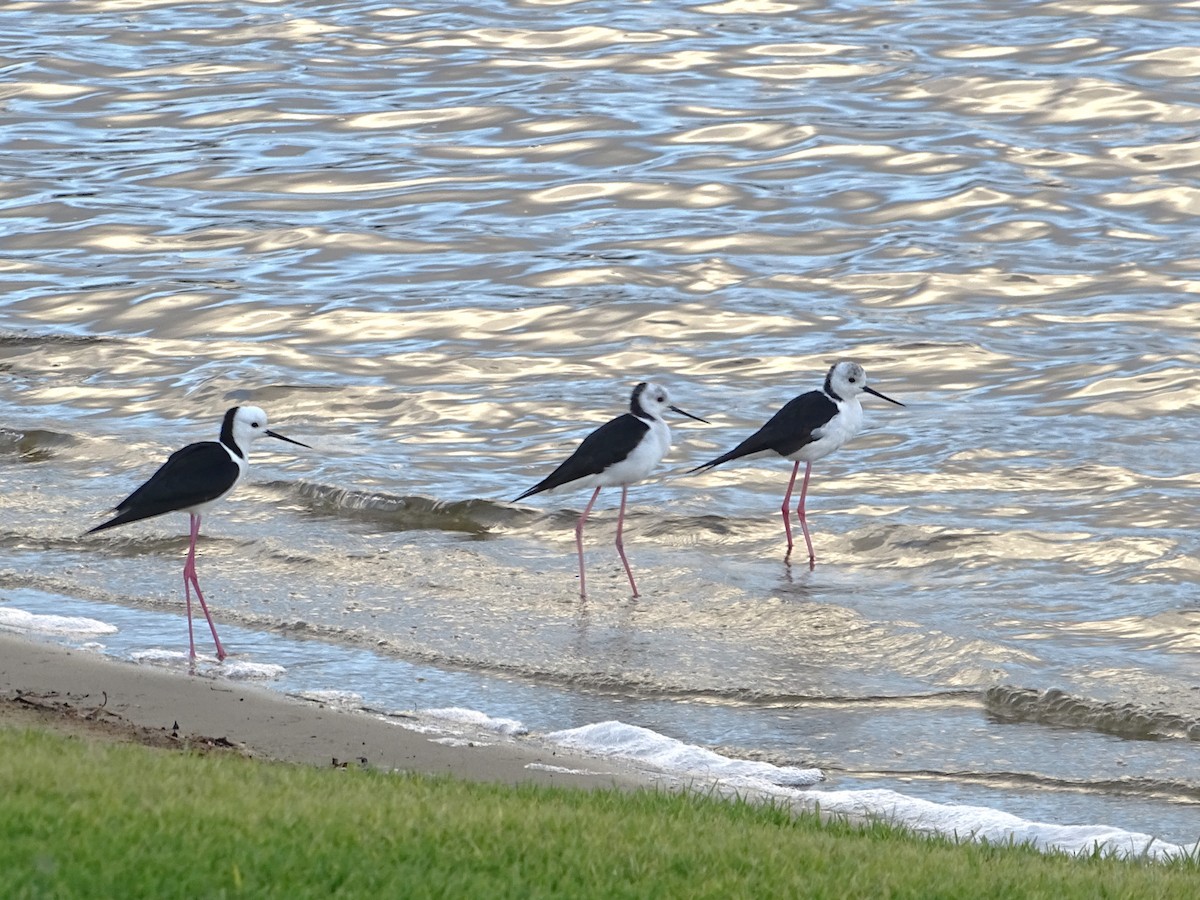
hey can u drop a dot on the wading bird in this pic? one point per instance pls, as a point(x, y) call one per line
point(806, 429)
point(621, 452)
point(192, 480)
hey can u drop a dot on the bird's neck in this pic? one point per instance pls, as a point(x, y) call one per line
point(228, 441)
point(236, 453)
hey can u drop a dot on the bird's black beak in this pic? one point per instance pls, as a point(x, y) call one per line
point(688, 414)
point(276, 434)
point(871, 390)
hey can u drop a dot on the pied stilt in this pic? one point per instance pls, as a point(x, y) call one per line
point(191, 480)
point(806, 429)
point(621, 452)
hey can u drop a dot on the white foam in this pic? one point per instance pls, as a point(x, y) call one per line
point(157, 656)
point(411, 725)
point(974, 823)
point(248, 671)
point(475, 719)
point(560, 770)
point(621, 741)
point(979, 823)
point(340, 699)
point(457, 742)
point(20, 620)
point(235, 670)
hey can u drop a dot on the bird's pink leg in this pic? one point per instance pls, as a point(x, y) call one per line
point(579, 541)
point(787, 502)
point(621, 544)
point(187, 586)
point(189, 571)
point(812, 557)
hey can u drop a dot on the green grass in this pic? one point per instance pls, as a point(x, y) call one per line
point(84, 818)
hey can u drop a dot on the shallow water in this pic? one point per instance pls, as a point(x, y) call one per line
point(442, 245)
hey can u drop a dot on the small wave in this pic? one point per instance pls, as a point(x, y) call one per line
point(616, 684)
point(21, 621)
point(21, 339)
point(456, 715)
point(170, 659)
point(1178, 790)
point(1056, 707)
point(619, 740)
point(208, 666)
point(337, 699)
point(241, 670)
point(32, 445)
point(411, 513)
point(982, 823)
point(709, 525)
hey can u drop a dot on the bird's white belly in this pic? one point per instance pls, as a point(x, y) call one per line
point(640, 463)
point(833, 436)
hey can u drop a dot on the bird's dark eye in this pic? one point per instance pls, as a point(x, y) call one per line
point(853, 379)
point(254, 425)
point(662, 399)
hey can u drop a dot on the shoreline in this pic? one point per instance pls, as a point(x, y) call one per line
point(47, 685)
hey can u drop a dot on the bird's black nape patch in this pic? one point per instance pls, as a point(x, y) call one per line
point(635, 401)
point(829, 384)
point(227, 432)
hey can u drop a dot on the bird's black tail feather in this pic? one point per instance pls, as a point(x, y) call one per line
point(129, 515)
point(745, 448)
point(536, 489)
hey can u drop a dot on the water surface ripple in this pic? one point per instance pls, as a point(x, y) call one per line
point(440, 243)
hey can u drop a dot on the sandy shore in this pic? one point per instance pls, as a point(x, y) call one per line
point(47, 685)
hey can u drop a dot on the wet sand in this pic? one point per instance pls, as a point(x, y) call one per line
point(49, 686)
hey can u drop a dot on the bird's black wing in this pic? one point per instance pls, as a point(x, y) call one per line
point(195, 474)
point(608, 444)
point(786, 431)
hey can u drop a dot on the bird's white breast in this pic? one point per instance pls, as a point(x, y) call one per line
point(835, 434)
point(641, 462)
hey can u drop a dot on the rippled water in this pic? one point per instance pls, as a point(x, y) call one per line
point(442, 244)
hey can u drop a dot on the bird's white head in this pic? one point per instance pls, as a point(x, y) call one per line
point(245, 423)
point(248, 423)
point(650, 401)
point(848, 379)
